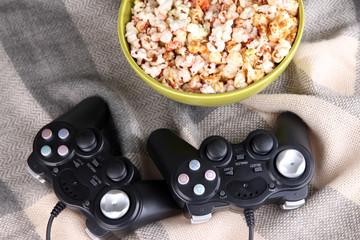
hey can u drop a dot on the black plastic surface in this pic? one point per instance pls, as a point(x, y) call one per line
point(246, 176)
point(290, 128)
point(165, 140)
point(116, 171)
point(86, 140)
point(216, 150)
point(89, 170)
point(262, 144)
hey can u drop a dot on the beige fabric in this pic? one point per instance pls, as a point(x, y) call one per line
point(53, 54)
point(68, 225)
point(233, 227)
point(330, 63)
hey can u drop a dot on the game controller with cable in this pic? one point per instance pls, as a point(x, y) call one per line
point(268, 166)
point(74, 155)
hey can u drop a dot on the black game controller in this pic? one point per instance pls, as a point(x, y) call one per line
point(73, 154)
point(265, 167)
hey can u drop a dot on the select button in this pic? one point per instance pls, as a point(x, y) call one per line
point(257, 169)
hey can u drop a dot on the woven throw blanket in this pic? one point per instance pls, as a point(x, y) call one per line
point(53, 54)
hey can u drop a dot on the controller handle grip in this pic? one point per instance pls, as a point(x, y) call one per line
point(291, 128)
point(157, 202)
point(168, 150)
point(92, 112)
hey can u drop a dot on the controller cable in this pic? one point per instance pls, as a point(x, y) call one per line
point(250, 220)
point(54, 213)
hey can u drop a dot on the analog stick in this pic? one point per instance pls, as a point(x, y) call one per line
point(86, 140)
point(114, 204)
point(216, 150)
point(262, 144)
point(116, 170)
point(290, 163)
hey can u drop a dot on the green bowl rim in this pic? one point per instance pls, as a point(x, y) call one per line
point(248, 90)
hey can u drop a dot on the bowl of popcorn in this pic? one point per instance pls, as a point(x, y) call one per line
point(210, 52)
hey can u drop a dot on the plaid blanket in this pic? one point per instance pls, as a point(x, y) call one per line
point(55, 53)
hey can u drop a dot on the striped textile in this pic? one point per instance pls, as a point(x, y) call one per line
point(55, 53)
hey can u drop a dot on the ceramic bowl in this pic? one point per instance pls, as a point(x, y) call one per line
point(198, 99)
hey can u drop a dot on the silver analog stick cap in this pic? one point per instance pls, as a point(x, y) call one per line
point(290, 163)
point(114, 204)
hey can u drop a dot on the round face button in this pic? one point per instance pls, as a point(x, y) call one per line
point(63, 150)
point(183, 179)
point(199, 189)
point(46, 134)
point(63, 133)
point(210, 175)
point(45, 151)
point(194, 165)
point(115, 204)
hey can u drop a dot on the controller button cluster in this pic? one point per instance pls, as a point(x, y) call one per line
point(47, 135)
point(183, 179)
point(194, 165)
